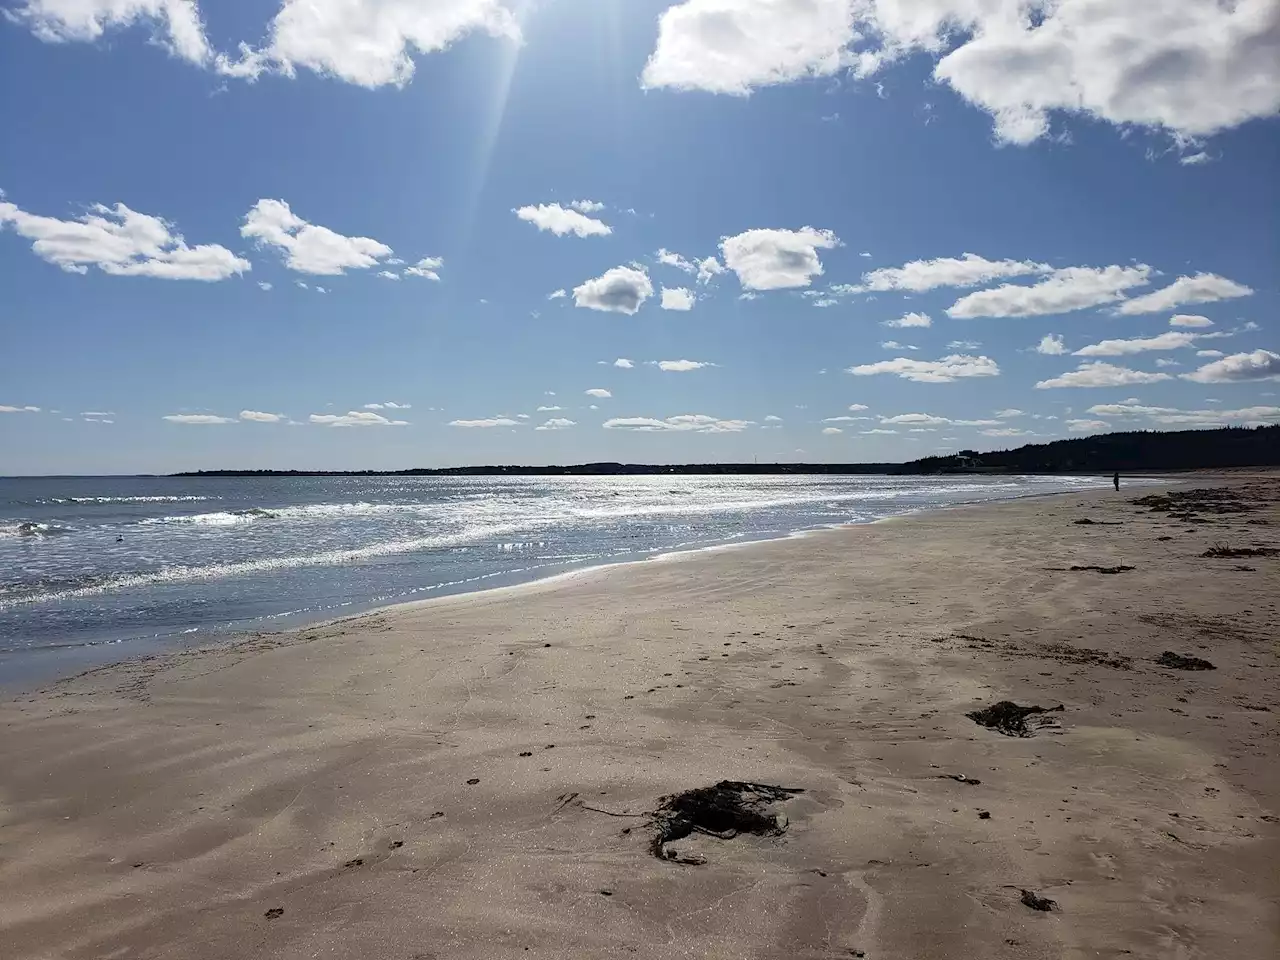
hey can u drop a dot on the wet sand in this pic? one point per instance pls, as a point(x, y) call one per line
point(471, 777)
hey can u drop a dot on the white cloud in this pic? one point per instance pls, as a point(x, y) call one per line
point(365, 42)
point(772, 419)
point(929, 420)
point(708, 268)
point(1071, 288)
point(1052, 345)
point(620, 290)
point(563, 220)
point(843, 419)
point(1173, 417)
point(586, 206)
point(879, 430)
point(121, 242)
point(264, 285)
point(388, 405)
point(910, 320)
point(776, 259)
point(1172, 340)
point(8, 409)
point(1010, 412)
point(1185, 66)
point(1097, 373)
point(670, 259)
point(1007, 432)
point(682, 366)
point(1087, 426)
point(1239, 368)
point(427, 268)
point(622, 363)
point(1163, 363)
point(964, 345)
point(308, 248)
point(1189, 320)
point(677, 298)
point(485, 424)
point(858, 406)
point(946, 370)
point(1202, 288)
point(830, 431)
point(545, 409)
point(1195, 159)
point(388, 275)
point(557, 423)
point(557, 294)
point(732, 46)
point(522, 416)
point(89, 413)
point(695, 422)
point(197, 419)
point(1210, 353)
point(969, 270)
point(895, 345)
point(599, 393)
point(258, 416)
point(87, 20)
point(355, 418)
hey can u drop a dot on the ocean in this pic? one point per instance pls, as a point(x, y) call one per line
point(96, 569)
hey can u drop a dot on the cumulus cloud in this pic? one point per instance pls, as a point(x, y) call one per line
point(1065, 290)
point(1239, 368)
point(708, 268)
point(258, 416)
point(306, 247)
point(830, 431)
point(4, 408)
point(121, 242)
point(620, 290)
point(858, 406)
point(177, 21)
point(355, 418)
point(553, 218)
point(600, 393)
point(586, 206)
point(694, 422)
point(1172, 340)
point(670, 259)
point(366, 42)
point(556, 423)
point(1187, 67)
point(683, 366)
point(1210, 353)
point(388, 405)
point(1052, 345)
point(545, 409)
point(1174, 417)
point(485, 424)
point(1162, 363)
point(946, 370)
point(776, 259)
point(1010, 412)
point(1087, 426)
point(910, 320)
point(677, 298)
point(879, 431)
point(622, 363)
point(427, 268)
point(1097, 373)
point(1189, 320)
point(772, 419)
point(895, 345)
point(929, 420)
point(1202, 288)
point(197, 419)
point(969, 270)
point(733, 46)
point(558, 294)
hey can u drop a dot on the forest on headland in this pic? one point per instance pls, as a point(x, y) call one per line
point(1126, 451)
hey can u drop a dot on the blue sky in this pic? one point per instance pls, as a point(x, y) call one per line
point(814, 171)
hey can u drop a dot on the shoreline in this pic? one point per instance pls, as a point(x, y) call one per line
point(469, 776)
point(163, 644)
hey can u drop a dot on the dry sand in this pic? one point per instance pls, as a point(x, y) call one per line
point(468, 777)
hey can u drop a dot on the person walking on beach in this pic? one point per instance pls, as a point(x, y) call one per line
point(1116, 481)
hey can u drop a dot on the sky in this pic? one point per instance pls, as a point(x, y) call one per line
point(349, 234)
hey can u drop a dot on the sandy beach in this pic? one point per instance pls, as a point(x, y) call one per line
point(478, 777)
